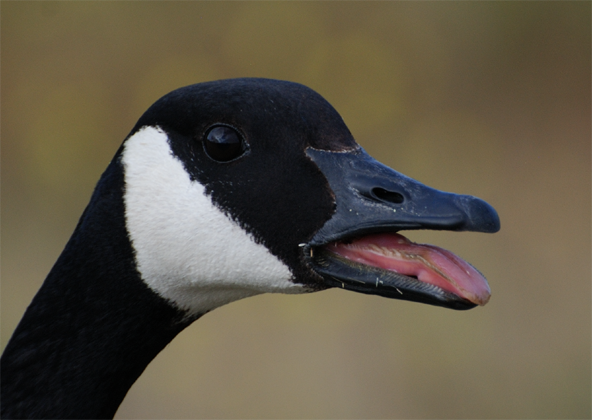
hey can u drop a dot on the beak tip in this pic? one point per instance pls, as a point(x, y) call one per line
point(481, 216)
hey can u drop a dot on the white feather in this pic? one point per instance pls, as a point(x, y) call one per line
point(187, 250)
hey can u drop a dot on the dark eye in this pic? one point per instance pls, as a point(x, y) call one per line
point(223, 143)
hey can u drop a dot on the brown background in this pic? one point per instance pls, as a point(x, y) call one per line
point(484, 98)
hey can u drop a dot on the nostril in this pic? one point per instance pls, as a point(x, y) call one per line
point(386, 195)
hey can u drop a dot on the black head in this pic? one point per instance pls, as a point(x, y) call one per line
point(279, 161)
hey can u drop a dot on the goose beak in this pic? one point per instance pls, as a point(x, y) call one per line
point(359, 248)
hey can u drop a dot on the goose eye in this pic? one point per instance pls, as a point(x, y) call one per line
point(223, 143)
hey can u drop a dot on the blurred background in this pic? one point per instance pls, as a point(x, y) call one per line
point(484, 98)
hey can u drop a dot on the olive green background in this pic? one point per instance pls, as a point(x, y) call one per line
point(484, 98)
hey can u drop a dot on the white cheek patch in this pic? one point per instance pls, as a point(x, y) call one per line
point(187, 250)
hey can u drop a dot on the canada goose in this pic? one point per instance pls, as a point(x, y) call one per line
point(221, 191)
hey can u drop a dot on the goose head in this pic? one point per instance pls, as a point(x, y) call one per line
point(247, 186)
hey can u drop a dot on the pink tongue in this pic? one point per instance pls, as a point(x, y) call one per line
point(429, 263)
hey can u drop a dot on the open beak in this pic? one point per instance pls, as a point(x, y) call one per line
point(359, 248)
